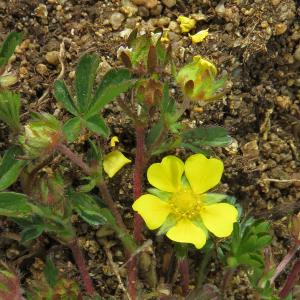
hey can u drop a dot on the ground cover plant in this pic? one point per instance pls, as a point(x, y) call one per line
point(177, 202)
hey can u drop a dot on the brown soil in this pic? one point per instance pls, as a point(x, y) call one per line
point(256, 43)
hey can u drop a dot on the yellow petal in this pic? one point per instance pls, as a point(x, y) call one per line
point(113, 141)
point(219, 218)
point(199, 36)
point(203, 173)
point(113, 162)
point(187, 232)
point(186, 24)
point(166, 176)
point(153, 210)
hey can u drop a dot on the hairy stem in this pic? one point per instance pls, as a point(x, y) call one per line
point(226, 280)
point(183, 267)
point(291, 280)
point(203, 270)
point(285, 261)
point(80, 262)
point(120, 229)
point(137, 192)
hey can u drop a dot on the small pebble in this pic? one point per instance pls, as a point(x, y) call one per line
point(144, 12)
point(280, 28)
point(297, 53)
point(169, 3)
point(116, 20)
point(52, 58)
point(41, 69)
point(41, 11)
point(147, 3)
point(156, 11)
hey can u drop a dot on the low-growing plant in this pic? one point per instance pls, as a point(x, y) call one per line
point(43, 197)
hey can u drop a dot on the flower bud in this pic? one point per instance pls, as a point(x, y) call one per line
point(198, 79)
point(41, 135)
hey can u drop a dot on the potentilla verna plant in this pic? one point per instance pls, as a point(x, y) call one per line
point(55, 168)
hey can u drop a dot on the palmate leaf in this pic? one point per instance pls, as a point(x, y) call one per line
point(8, 46)
point(10, 167)
point(85, 76)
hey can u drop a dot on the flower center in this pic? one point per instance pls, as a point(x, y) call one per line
point(185, 204)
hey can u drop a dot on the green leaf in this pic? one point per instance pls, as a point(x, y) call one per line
point(72, 129)
point(140, 49)
point(196, 149)
point(86, 206)
point(167, 104)
point(8, 46)
point(10, 109)
point(51, 273)
point(10, 167)
point(154, 132)
point(62, 96)
point(211, 198)
point(97, 125)
point(114, 82)
point(210, 136)
point(14, 205)
point(85, 76)
point(31, 232)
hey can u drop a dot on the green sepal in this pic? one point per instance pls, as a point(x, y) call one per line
point(167, 225)
point(165, 196)
point(211, 198)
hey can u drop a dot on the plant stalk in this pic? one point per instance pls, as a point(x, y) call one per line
point(80, 262)
point(183, 268)
point(285, 261)
point(137, 192)
point(122, 230)
point(291, 280)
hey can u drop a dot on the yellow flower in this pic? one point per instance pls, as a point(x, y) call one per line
point(180, 202)
point(113, 162)
point(199, 36)
point(186, 24)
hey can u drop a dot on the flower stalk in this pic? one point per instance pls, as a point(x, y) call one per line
point(291, 280)
point(137, 192)
point(80, 262)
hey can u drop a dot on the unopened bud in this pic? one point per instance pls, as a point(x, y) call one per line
point(8, 80)
point(41, 135)
point(198, 80)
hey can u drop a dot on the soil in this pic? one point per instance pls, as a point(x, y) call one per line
point(255, 43)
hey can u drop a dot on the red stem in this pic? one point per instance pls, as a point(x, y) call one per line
point(285, 261)
point(291, 280)
point(138, 179)
point(137, 192)
point(183, 267)
point(80, 262)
